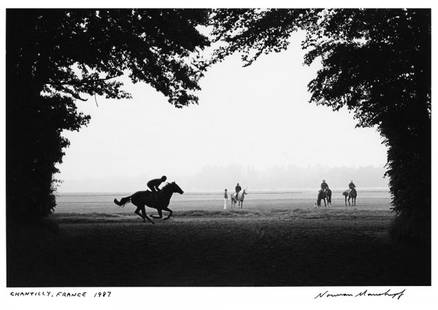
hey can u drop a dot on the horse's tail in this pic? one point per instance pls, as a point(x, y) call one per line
point(122, 201)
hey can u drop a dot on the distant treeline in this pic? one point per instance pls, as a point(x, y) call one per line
point(216, 178)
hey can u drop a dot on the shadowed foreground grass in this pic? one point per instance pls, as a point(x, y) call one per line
point(313, 247)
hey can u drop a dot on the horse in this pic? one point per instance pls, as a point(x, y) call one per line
point(326, 196)
point(350, 194)
point(238, 198)
point(159, 201)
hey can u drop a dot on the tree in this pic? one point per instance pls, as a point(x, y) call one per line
point(55, 57)
point(377, 63)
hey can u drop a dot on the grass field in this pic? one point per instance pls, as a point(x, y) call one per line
point(271, 242)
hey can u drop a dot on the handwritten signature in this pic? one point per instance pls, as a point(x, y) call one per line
point(364, 293)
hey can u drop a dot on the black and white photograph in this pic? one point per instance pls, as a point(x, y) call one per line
point(220, 148)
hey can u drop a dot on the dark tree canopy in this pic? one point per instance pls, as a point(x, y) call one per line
point(375, 62)
point(55, 57)
point(83, 51)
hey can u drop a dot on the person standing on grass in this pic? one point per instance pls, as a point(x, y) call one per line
point(225, 199)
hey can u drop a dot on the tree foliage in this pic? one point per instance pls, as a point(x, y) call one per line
point(55, 57)
point(375, 62)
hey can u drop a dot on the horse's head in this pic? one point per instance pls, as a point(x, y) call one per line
point(175, 188)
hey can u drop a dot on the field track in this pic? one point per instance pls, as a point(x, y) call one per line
point(277, 247)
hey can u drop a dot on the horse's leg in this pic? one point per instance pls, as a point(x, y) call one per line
point(145, 216)
point(137, 211)
point(160, 214)
point(168, 210)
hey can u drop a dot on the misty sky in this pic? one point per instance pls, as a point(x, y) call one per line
point(250, 122)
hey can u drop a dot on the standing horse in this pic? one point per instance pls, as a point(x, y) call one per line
point(159, 201)
point(238, 198)
point(326, 196)
point(350, 194)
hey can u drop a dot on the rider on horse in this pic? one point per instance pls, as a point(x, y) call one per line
point(324, 186)
point(351, 185)
point(154, 185)
point(238, 189)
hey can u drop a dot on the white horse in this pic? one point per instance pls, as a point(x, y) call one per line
point(238, 198)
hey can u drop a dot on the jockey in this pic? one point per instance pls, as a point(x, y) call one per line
point(155, 183)
point(238, 189)
point(324, 186)
point(351, 185)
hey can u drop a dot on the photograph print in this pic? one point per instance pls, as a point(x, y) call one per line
point(218, 147)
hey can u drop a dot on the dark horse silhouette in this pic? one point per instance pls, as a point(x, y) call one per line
point(350, 194)
point(326, 196)
point(159, 201)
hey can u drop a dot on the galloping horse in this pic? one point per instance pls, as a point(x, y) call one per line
point(238, 198)
point(326, 196)
point(159, 201)
point(350, 194)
